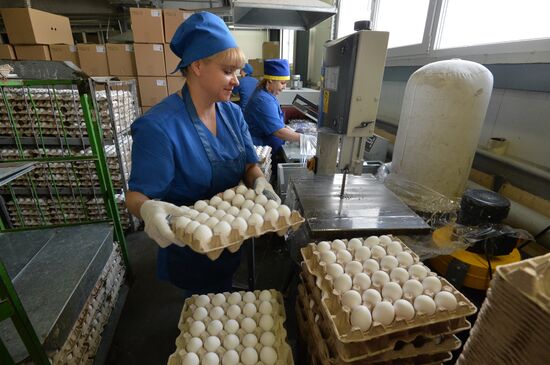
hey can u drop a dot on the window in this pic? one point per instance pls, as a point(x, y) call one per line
point(349, 12)
point(404, 19)
point(287, 44)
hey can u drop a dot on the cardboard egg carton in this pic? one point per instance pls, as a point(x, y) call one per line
point(322, 351)
point(339, 316)
point(283, 350)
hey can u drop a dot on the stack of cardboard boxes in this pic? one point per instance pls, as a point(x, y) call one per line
point(269, 50)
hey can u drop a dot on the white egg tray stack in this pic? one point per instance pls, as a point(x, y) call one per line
point(229, 218)
point(323, 349)
point(240, 328)
point(374, 292)
point(514, 322)
point(264, 160)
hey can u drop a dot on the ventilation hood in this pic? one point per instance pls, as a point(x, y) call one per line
point(290, 14)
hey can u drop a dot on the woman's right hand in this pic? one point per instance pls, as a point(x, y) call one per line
point(155, 215)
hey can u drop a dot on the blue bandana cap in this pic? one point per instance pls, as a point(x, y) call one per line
point(202, 35)
point(276, 69)
point(248, 69)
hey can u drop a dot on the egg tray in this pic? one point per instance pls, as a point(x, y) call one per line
point(284, 351)
point(430, 352)
point(338, 317)
point(382, 346)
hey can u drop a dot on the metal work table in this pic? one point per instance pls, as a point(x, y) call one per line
point(367, 208)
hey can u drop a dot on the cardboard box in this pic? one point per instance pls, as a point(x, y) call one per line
point(152, 89)
point(175, 83)
point(31, 26)
point(171, 61)
point(121, 59)
point(36, 52)
point(270, 50)
point(258, 65)
point(150, 59)
point(64, 52)
point(7, 52)
point(172, 20)
point(93, 59)
point(144, 109)
point(147, 25)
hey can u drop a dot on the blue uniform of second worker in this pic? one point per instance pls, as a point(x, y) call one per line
point(264, 117)
point(246, 87)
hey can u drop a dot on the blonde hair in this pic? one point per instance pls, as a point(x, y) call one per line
point(231, 56)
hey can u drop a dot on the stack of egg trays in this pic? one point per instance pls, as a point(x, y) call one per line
point(324, 348)
point(264, 160)
point(378, 338)
point(284, 352)
point(514, 322)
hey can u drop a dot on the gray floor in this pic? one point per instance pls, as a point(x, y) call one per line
point(147, 328)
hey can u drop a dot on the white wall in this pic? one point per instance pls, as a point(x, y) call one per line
point(318, 35)
point(250, 41)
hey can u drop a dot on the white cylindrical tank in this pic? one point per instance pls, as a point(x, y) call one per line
point(441, 118)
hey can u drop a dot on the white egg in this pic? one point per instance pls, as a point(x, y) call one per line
point(265, 308)
point(323, 246)
point(218, 299)
point(181, 222)
point(372, 297)
point(361, 317)
point(371, 265)
point(192, 213)
point(234, 211)
point(197, 328)
point(266, 322)
point(383, 313)
point(338, 245)
point(399, 275)
point(432, 285)
point(250, 194)
point(258, 209)
point(212, 343)
point(284, 211)
point(194, 344)
point(216, 313)
point(403, 310)
point(272, 216)
point(244, 214)
point(418, 272)
point(219, 214)
point(210, 210)
point(210, 358)
point(190, 358)
point(224, 206)
point(200, 313)
point(215, 201)
point(371, 241)
point(238, 200)
point(405, 259)
point(202, 300)
point(214, 327)
point(249, 340)
point(265, 295)
point(388, 263)
point(267, 339)
point(255, 220)
point(222, 229)
point(211, 222)
point(445, 301)
point(240, 225)
point(231, 326)
point(231, 341)
point(362, 281)
point(377, 252)
point(203, 234)
point(268, 355)
point(271, 204)
point(228, 195)
point(380, 278)
point(328, 257)
point(249, 356)
point(249, 309)
point(202, 217)
point(248, 325)
point(234, 298)
point(354, 244)
point(342, 283)
point(230, 357)
point(351, 298)
point(385, 240)
point(249, 297)
point(241, 189)
point(412, 288)
point(185, 208)
point(200, 205)
point(249, 204)
point(353, 268)
point(394, 247)
point(228, 218)
point(392, 291)
point(191, 227)
point(424, 305)
point(261, 199)
point(335, 270)
point(233, 311)
point(343, 256)
point(362, 253)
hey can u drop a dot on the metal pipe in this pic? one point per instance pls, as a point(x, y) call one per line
point(518, 164)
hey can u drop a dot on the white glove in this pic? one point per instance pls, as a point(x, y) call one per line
point(261, 186)
point(155, 214)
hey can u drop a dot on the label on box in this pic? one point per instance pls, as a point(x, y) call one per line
point(157, 47)
point(155, 12)
point(100, 49)
point(129, 48)
point(161, 83)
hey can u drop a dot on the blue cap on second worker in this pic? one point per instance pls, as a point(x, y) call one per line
point(276, 69)
point(248, 69)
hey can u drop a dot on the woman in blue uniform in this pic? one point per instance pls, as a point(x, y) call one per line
point(193, 145)
point(263, 112)
point(247, 85)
